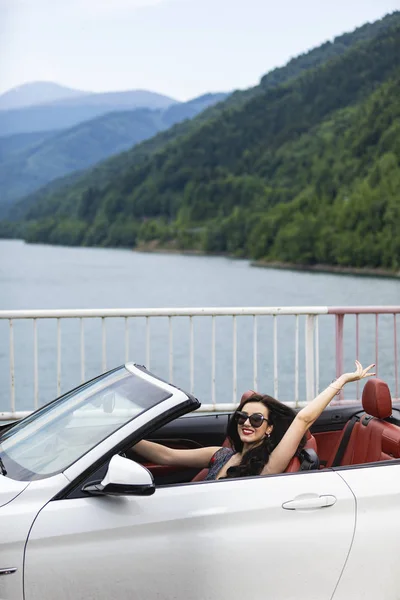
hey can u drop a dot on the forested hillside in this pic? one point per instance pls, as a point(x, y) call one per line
point(11, 145)
point(69, 188)
point(304, 172)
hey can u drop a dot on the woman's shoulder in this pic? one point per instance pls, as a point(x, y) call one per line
point(221, 454)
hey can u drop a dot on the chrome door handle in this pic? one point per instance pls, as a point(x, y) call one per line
point(309, 502)
point(8, 571)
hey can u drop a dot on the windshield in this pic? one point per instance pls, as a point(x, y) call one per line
point(54, 437)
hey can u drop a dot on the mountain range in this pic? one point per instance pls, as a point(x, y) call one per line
point(29, 161)
point(303, 168)
point(38, 92)
point(70, 111)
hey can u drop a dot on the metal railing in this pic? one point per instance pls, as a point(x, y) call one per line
point(303, 365)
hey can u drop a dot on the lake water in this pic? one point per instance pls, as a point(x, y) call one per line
point(44, 277)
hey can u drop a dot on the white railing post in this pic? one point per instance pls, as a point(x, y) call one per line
point(171, 351)
point(234, 360)
point(126, 339)
point(296, 363)
point(396, 364)
point(316, 354)
point(275, 357)
point(255, 354)
point(147, 343)
point(104, 344)
point(12, 366)
point(82, 351)
point(58, 357)
point(191, 356)
point(213, 400)
point(35, 366)
point(309, 348)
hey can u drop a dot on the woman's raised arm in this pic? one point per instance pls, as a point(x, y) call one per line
point(285, 450)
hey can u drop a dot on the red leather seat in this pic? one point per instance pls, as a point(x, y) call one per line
point(295, 463)
point(372, 438)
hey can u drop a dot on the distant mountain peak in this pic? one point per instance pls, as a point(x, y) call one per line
point(46, 85)
point(37, 92)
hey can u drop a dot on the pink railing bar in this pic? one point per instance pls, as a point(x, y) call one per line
point(363, 310)
point(376, 344)
point(341, 311)
point(396, 368)
point(357, 351)
point(339, 320)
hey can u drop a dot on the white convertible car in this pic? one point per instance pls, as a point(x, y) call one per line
point(81, 518)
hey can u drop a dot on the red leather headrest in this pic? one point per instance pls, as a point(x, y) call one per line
point(376, 399)
point(247, 395)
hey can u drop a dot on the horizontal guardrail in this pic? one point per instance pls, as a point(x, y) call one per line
point(306, 357)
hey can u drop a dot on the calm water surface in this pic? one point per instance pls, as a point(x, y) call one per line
point(40, 277)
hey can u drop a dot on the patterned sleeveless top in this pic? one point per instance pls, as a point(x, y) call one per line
point(219, 459)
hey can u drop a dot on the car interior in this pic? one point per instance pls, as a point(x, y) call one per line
point(341, 437)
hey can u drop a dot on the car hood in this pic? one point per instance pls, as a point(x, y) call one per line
point(10, 489)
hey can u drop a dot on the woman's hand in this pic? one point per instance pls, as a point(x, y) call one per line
point(358, 374)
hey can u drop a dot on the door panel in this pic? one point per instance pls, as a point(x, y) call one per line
point(372, 570)
point(219, 540)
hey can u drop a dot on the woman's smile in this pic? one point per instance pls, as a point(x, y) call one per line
point(247, 431)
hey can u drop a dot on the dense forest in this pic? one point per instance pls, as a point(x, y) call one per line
point(304, 169)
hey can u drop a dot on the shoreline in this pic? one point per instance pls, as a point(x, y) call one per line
point(153, 247)
point(330, 269)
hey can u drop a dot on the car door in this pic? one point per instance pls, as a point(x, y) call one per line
point(283, 537)
point(372, 568)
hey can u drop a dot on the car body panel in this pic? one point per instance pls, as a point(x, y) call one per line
point(210, 540)
point(16, 519)
point(10, 489)
point(372, 570)
point(23, 501)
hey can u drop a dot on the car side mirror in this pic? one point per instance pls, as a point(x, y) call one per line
point(124, 477)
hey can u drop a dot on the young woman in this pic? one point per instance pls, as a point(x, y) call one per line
point(264, 434)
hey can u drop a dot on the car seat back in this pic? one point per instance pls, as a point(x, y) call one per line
point(370, 437)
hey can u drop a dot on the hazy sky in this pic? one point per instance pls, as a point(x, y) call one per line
point(181, 48)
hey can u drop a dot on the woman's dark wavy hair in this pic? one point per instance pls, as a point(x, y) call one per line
point(255, 459)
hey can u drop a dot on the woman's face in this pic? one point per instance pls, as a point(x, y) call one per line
point(248, 432)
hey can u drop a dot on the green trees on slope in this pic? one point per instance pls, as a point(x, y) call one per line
point(307, 172)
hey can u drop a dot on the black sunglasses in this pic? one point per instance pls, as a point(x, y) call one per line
point(256, 419)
